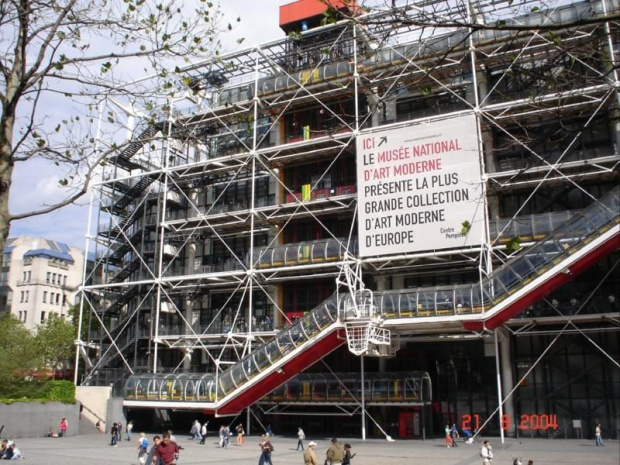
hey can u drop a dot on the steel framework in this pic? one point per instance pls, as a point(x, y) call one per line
point(223, 207)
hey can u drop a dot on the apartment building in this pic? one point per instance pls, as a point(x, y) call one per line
point(40, 277)
point(416, 206)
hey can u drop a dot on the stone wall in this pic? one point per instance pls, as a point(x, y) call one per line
point(95, 401)
point(33, 419)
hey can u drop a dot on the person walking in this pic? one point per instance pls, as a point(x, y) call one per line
point(454, 434)
point(203, 432)
point(266, 449)
point(335, 453)
point(310, 454)
point(240, 434)
point(300, 438)
point(598, 436)
point(114, 434)
point(151, 454)
point(195, 430)
point(347, 455)
point(227, 434)
point(143, 445)
point(448, 437)
point(486, 452)
point(63, 426)
point(167, 450)
point(129, 429)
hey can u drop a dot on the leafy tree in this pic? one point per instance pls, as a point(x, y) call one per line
point(17, 350)
point(61, 59)
point(54, 341)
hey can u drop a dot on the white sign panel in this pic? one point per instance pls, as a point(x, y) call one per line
point(418, 186)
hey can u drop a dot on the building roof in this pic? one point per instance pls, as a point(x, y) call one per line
point(49, 254)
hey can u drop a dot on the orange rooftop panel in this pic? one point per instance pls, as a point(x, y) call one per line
point(292, 14)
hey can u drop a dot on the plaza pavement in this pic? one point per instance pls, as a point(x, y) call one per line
point(93, 449)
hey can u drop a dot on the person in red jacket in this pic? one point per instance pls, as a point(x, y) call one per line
point(167, 450)
point(63, 427)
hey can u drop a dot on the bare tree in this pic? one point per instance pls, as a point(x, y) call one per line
point(60, 59)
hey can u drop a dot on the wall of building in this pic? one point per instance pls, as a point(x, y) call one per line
point(32, 419)
point(95, 400)
point(38, 286)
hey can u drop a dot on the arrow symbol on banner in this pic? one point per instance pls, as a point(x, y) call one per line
point(382, 141)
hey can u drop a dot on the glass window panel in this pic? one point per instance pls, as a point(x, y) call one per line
point(265, 258)
point(273, 350)
point(334, 392)
point(261, 359)
point(291, 254)
point(409, 303)
point(348, 391)
point(249, 368)
point(332, 250)
point(598, 215)
point(319, 390)
point(285, 343)
point(190, 390)
point(297, 335)
point(291, 393)
point(318, 252)
point(310, 326)
point(507, 277)
point(445, 300)
point(129, 391)
point(389, 305)
point(323, 316)
point(426, 303)
point(379, 390)
point(278, 256)
point(523, 268)
point(477, 299)
point(367, 389)
point(462, 298)
point(226, 383)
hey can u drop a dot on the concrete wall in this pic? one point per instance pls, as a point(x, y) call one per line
point(32, 419)
point(95, 400)
point(115, 413)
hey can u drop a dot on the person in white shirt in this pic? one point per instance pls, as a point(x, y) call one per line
point(300, 438)
point(486, 452)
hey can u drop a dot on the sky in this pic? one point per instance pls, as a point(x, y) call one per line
point(36, 184)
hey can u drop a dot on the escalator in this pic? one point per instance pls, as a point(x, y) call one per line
point(537, 271)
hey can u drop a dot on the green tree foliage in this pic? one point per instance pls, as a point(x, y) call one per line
point(17, 350)
point(28, 361)
point(55, 341)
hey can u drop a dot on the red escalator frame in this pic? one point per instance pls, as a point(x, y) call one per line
point(301, 362)
point(546, 288)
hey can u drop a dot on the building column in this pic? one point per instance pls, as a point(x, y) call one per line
point(507, 378)
point(189, 308)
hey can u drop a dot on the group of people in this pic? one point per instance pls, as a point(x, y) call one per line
point(116, 432)
point(337, 454)
point(452, 434)
point(164, 451)
point(486, 452)
point(9, 450)
point(62, 429)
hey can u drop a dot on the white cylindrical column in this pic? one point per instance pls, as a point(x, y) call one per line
point(507, 379)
